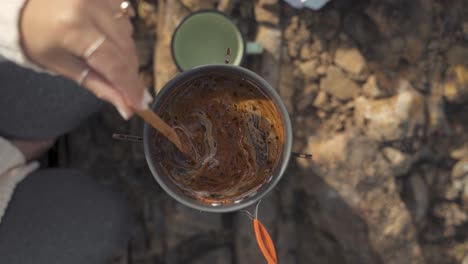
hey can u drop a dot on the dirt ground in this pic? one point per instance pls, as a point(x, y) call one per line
point(377, 91)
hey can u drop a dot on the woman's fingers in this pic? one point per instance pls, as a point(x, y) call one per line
point(86, 34)
point(109, 62)
point(106, 59)
point(74, 68)
point(104, 90)
point(117, 29)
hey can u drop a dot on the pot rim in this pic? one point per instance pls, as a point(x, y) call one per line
point(278, 172)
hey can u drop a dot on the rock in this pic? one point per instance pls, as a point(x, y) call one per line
point(457, 55)
point(465, 31)
point(311, 50)
point(308, 69)
point(317, 45)
point(267, 11)
point(350, 59)
point(226, 6)
point(396, 118)
point(372, 90)
point(297, 35)
point(338, 85)
point(460, 169)
point(399, 161)
point(460, 153)
point(346, 169)
point(321, 70)
point(307, 52)
point(456, 84)
point(293, 48)
point(438, 120)
point(451, 213)
point(306, 98)
point(451, 193)
point(321, 100)
point(147, 13)
point(420, 197)
point(330, 150)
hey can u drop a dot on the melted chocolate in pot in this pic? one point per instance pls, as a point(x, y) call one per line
point(234, 134)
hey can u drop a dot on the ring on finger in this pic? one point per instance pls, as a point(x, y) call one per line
point(126, 10)
point(83, 76)
point(93, 47)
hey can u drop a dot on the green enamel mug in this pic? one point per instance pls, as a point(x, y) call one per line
point(203, 38)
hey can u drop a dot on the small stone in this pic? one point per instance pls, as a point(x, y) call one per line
point(321, 100)
point(311, 49)
point(395, 118)
point(147, 12)
point(310, 89)
point(308, 69)
point(460, 169)
point(317, 45)
point(420, 197)
point(332, 149)
point(266, 11)
point(399, 161)
point(371, 88)
point(226, 6)
point(452, 214)
point(456, 84)
point(293, 48)
point(307, 52)
point(338, 85)
point(306, 99)
point(350, 59)
point(325, 58)
point(302, 104)
point(321, 70)
point(460, 153)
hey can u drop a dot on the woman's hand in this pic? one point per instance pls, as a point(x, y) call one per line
point(89, 41)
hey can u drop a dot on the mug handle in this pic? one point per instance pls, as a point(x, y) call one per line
point(254, 48)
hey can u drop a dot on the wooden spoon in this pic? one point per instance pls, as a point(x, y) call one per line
point(157, 123)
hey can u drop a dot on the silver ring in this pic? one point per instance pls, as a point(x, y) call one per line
point(83, 76)
point(126, 10)
point(93, 47)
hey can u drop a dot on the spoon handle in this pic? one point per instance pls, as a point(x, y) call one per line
point(157, 123)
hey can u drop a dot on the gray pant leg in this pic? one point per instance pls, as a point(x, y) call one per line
point(61, 216)
point(40, 106)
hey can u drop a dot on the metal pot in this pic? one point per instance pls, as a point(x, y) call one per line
point(166, 183)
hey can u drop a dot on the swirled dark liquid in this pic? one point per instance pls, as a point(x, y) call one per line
point(233, 132)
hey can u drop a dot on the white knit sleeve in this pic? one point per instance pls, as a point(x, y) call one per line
point(10, 45)
point(13, 169)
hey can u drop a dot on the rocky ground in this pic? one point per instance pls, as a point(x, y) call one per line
point(378, 92)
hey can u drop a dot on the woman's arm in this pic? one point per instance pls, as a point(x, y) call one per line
point(13, 169)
